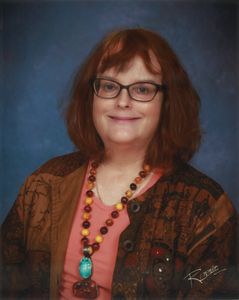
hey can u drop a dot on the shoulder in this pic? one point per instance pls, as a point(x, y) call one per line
point(53, 170)
point(188, 177)
point(196, 193)
point(37, 189)
point(201, 197)
point(197, 203)
point(61, 165)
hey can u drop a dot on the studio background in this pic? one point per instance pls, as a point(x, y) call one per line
point(43, 43)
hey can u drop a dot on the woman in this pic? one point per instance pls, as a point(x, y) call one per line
point(124, 217)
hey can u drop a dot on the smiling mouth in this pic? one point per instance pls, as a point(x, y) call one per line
point(116, 118)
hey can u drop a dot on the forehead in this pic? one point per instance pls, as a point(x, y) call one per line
point(135, 70)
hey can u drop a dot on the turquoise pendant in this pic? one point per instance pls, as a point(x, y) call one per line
point(85, 267)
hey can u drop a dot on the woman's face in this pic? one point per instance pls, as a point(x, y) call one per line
point(122, 120)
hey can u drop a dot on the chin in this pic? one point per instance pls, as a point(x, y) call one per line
point(121, 139)
point(127, 140)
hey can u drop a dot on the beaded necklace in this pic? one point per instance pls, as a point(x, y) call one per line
point(87, 288)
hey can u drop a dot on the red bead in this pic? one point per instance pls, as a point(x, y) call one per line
point(87, 208)
point(124, 200)
point(103, 230)
point(142, 174)
point(109, 222)
point(92, 171)
point(89, 193)
point(115, 214)
point(94, 165)
point(85, 240)
point(86, 224)
point(91, 178)
point(133, 186)
point(96, 246)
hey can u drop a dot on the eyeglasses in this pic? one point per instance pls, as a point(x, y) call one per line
point(138, 91)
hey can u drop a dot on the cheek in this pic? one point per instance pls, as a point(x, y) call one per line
point(96, 111)
point(154, 113)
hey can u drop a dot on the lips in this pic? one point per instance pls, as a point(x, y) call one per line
point(123, 118)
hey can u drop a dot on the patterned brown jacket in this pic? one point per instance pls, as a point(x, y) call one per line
point(180, 244)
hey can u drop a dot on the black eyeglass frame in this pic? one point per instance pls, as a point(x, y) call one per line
point(159, 87)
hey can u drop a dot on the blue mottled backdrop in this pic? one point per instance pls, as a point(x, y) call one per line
point(43, 43)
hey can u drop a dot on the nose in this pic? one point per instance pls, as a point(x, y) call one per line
point(123, 100)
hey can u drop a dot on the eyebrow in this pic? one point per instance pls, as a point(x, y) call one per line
point(114, 79)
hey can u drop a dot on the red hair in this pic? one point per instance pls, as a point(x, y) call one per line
point(178, 134)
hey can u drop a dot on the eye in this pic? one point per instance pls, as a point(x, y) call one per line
point(143, 88)
point(107, 86)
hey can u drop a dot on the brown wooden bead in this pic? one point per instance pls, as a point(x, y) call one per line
point(142, 174)
point(87, 208)
point(133, 186)
point(115, 214)
point(124, 200)
point(86, 224)
point(96, 246)
point(109, 222)
point(90, 193)
point(146, 168)
point(91, 178)
point(137, 179)
point(103, 230)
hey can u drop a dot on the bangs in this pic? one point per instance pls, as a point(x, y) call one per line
point(121, 50)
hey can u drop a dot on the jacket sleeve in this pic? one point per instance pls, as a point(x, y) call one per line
point(16, 265)
point(211, 267)
point(15, 280)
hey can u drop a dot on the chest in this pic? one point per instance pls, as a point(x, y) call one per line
point(152, 250)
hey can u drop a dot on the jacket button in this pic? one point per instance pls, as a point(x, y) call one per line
point(168, 257)
point(128, 245)
point(135, 206)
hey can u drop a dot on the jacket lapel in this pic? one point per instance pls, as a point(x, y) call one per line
point(65, 197)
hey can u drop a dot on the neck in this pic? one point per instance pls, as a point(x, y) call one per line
point(125, 157)
point(117, 170)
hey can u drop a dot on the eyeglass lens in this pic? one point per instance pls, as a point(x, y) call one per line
point(141, 91)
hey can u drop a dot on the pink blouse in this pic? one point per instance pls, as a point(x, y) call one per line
point(104, 259)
